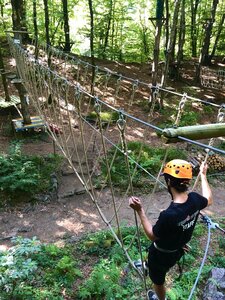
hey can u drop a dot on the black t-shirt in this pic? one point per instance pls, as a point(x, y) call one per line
point(175, 225)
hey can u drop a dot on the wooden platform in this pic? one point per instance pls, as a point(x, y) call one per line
point(6, 104)
point(36, 122)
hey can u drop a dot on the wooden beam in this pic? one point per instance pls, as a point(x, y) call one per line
point(197, 132)
point(16, 31)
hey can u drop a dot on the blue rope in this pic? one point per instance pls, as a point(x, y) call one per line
point(202, 264)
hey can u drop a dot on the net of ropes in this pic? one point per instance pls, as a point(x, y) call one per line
point(212, 78)
point(73, 97)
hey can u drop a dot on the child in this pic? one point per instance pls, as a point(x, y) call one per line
point(175, 225)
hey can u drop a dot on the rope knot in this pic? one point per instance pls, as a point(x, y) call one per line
point(121, 122)
point(97, 106)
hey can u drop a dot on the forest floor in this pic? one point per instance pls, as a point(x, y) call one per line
point(73, 216)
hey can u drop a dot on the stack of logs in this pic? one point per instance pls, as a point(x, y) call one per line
point(215, 162)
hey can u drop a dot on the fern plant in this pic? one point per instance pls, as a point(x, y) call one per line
point(23, 174)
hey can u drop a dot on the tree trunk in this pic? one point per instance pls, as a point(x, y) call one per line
point(113, 31)
point(107, 30)
point(121, 26)
point(166, 25)
point(155, 62)
point(204, 57)
point(194, 8)
point(35, 27)
point(220, 28)
point(92, 45)
point(47, 35)
point(172, 57)
point(66, 26)
point(4, 82)
point(145, 41)
point(180, 54)
point(19, 20)
point(169, 65)
point(23, 100)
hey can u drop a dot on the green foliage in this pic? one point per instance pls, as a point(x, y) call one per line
point(200, 229)
point(16, 264)
point(107, 282)
point(181, 287)
point(27, 292)
point(209, 109)
point(218, 260)
point(221, 145)
point(107, 116)
point(107, 276)
point(23, 174)
point(103, 282)
point(97, 243)
point(222, 243)
point(31, 270)
point(189, 118)
point(148, 158)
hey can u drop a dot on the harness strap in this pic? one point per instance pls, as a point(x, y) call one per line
point(181, 266)
point(164, 250)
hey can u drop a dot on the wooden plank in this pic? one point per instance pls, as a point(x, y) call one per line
point(36, 122)
point(14, 100)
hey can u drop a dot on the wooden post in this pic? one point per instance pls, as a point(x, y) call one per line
point(23, 99)
point(197, 132)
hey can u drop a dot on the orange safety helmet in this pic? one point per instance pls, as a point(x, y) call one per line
point(178, 168)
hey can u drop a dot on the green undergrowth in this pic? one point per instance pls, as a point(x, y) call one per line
point(95, 268)
point(22, 176)
point(221, 145)
point(192, 115)
point(105, 116)
point(188, 118)
point(140, 156)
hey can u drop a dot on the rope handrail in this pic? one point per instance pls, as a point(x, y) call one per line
point(163, 89)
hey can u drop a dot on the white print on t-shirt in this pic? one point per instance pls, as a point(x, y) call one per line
point(189, 221)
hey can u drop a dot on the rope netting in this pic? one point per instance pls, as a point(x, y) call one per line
point(212, 78)
point(100, 124)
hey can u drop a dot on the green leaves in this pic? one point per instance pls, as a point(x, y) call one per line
point(15, 263)
point(24, 174)
point(141, 157)
point(25, 267)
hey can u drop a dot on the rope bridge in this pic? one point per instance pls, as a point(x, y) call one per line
point(74, 105)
